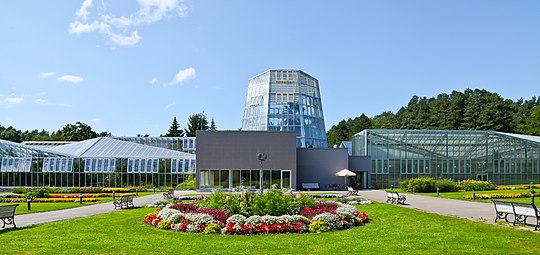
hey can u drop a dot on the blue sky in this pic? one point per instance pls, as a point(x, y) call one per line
point(129, 67)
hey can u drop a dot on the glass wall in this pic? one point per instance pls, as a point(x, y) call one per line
point(459, 154)
point(286, 100)
point(249, 179)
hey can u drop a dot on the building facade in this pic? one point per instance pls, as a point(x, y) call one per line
point(98, 162)
point(286, 100)
point(228, 159)
point(450, 154)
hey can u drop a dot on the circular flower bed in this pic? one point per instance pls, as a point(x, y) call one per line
point(247, 213)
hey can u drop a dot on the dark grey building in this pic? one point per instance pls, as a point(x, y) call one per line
point(321, 165)
point(228, 159)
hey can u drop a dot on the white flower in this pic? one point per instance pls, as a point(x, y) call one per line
point(343, 208)
point(158, 203)
point(236, 219)
point(255, 219)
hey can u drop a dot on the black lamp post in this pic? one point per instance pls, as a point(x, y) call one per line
point(261, 157)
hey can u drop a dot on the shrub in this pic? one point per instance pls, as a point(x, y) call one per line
point(470, 185)
point(318, 227)
point(212, 228)
point(273, 202)
point(216, 200)
point(422, 184)
point(19, 190)
point(446, 185)
point(188, 183)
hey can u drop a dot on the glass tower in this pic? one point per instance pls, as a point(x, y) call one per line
point(286, 100)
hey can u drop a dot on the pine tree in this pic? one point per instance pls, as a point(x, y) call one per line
point(174, 130)
point(196, 122)
point(212, 125)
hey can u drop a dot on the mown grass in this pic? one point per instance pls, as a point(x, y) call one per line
point(45, 207)
point(392, 230)
point(461, 195)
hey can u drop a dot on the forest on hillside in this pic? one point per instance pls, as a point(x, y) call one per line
point(476, 109)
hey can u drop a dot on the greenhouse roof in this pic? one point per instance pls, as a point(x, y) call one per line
point(11, 149)
point(106, 147)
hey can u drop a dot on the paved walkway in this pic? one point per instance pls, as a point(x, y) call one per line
point(476, 211)
point(25, 220)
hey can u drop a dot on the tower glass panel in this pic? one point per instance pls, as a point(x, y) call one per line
point(286, 100)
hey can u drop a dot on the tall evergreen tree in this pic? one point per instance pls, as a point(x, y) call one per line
point(213, 125)
point(196, 122)
point(174, 130)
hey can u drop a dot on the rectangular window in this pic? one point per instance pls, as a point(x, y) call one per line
point(142, 167)
point(112, 165)
point(130, 166)
point(155, 169)
point(16, 164)
point(149, 165)
point(174, 165)
point(136, 166)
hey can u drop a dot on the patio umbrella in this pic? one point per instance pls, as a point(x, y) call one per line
point(346, 173)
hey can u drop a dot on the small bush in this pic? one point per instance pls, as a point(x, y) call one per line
point(19, 190)
point(273, 202)
point(187, 184)
point(318, 227)
point(422, 184)
point(216, 200)
point(446, 185)
point(212, 228)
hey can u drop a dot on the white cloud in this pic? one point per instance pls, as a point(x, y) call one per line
point(71, 78)
point(154, 80)
point(154, 10)
point(122, 30)
point(183, 76)
point(40, 101)
point(83, 11)
point(78, 27)
point(13, 100)
point(123, 40)
point(170, 105)
point(95, 120)
point(46, 75)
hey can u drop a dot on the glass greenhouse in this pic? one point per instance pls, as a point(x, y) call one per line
point(286, 100)
point(103, 162)
point(396, 155)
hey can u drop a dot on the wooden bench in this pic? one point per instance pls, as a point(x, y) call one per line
point(351, 191)
point(521, 212)
point(310, 186)
point(125, 201)
point(168, 194)
point(395, 198)
point(7, 215)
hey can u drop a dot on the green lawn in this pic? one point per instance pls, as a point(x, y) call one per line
point(460, 195)
point(392, 230)
point(44, 207)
